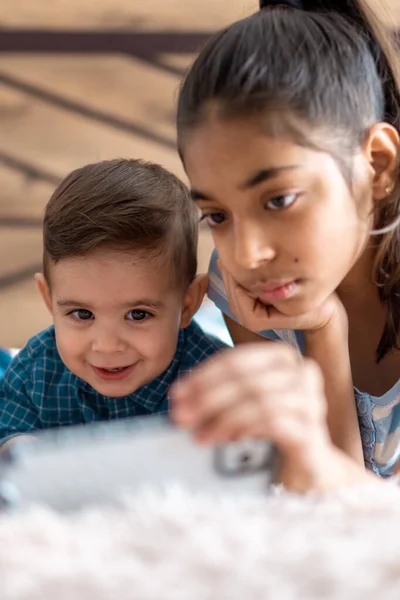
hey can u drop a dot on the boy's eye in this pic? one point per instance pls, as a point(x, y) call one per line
point(213, 219)
point(81, 314)
point(138, 315)
point(281, 202)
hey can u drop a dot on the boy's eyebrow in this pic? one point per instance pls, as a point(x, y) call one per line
point(75, 303)
point(145, 302)
point(255, 179)
point(158, 304)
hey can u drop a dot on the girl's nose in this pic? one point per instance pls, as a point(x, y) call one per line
point(252, 246)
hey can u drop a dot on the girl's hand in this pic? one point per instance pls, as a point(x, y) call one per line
point(259, 391)
point(326, 342)
point(256, 316)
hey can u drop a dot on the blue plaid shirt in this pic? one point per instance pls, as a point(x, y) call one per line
point(38, 391)
point(5, 359)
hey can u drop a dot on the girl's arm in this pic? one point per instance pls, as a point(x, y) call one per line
point(328, 346)
point(241, 335)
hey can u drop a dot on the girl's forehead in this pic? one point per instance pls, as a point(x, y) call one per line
point(227, 137)
point(217, 150)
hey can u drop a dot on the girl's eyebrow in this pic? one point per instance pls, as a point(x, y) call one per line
point(197, 195)
point(264, 175)
point(254, 180)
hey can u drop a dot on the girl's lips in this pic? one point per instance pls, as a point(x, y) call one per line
point(277, 291)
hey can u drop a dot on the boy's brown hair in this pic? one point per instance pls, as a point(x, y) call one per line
point(127, 205)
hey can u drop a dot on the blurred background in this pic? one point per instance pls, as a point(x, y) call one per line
point(82, 81)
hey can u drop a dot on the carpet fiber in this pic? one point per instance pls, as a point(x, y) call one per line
point(176, 546)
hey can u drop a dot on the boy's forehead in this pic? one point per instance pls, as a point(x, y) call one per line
point(106, 275)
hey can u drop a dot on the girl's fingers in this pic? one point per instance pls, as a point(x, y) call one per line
point(286, 424)
point(257, 317)
point(205, 405)
point(250, 312)
point(240, 420)
point(240, 302)
point(236, 390)
point(238, 364)
point(292, 415)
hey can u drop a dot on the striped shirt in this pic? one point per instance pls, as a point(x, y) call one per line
point(379, 418)
point(38, 391)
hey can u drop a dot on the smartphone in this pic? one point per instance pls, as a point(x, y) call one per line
point(71, 467)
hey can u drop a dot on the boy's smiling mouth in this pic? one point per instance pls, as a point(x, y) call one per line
point(113, 373)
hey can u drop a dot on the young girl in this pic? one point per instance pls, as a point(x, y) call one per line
point(288, 128)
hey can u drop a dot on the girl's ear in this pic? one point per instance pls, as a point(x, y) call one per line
point(382, 149)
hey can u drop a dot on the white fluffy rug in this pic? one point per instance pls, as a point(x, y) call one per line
point(181, 547)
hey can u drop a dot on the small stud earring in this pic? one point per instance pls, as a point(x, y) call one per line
point(389, 189)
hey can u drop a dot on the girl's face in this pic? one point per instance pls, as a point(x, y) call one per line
point(285, 223)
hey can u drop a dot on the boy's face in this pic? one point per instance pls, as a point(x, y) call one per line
point(117, 318)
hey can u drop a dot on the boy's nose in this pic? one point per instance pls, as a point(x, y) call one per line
point(107, 341)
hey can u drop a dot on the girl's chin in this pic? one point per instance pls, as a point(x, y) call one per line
point(292, 307)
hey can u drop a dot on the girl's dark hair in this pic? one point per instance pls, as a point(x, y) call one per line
point(325, 62)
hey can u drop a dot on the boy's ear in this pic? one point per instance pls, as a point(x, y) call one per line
point(193, 299)
point(383, 149)
point(44, 290)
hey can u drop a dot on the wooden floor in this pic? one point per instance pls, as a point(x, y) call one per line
point(59, 110)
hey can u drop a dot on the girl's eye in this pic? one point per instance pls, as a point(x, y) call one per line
point(138, 315)
point(81, 314)
point(213, 219)
point(281, 202)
